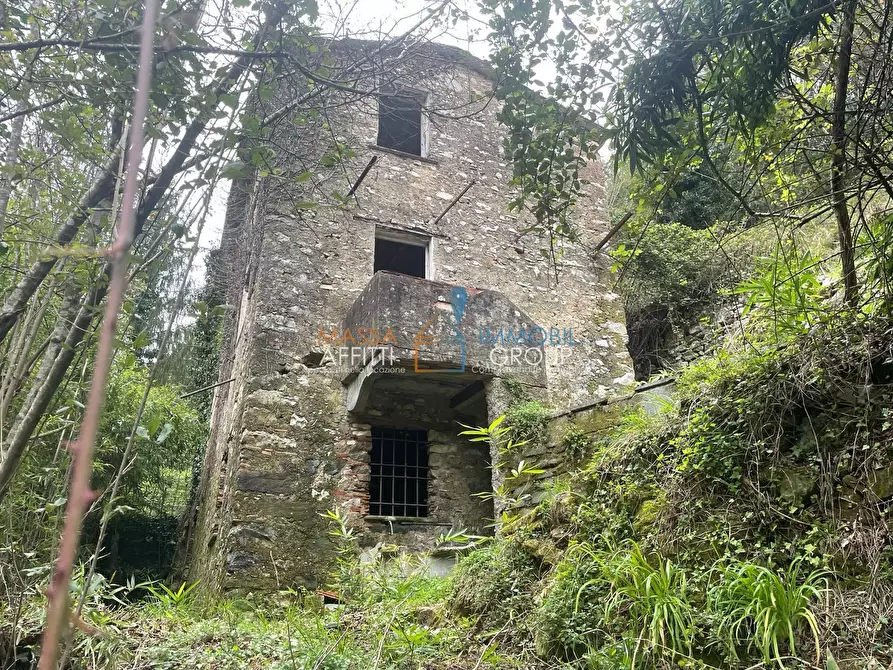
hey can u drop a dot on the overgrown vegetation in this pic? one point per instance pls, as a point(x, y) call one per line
point(727, 531)
point(106, 187)
point(745, 526)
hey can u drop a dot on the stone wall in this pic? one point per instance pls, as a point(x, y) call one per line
point(458, 471)
point(569, 438)
point(283, 448)
point(699, 337)
point(661, 343)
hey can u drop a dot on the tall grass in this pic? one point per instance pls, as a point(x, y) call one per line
point(763, 609)
point(652, 599)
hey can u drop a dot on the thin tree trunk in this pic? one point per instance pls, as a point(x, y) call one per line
point(150, 382)
point(40, 396)
point(10, 356)
point(12, 157)
point(100, 190)
point(20, 353)
point(104, 184)
point(66, 336)
point(838, 156)
point(15, 134)
point(42, 392)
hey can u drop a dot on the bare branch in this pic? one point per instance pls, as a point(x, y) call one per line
point(81, 494)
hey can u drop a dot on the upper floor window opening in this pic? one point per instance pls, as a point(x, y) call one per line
point(408, 254)
point(402, 123)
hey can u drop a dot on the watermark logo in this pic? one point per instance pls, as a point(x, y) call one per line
point(458, 300)
point(537, 336)
point(353, 350)
point(364, 337)
point(440, 345)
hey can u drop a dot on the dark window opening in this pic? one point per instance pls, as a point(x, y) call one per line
point(400, 123)
point(650, 339)
point(407, 259)
point(399, 483)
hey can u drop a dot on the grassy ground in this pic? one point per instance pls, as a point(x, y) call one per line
point(392, 622)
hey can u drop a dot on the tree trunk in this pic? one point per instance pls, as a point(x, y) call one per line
point(838, 156)
point(12, 157)
point(18, 298)
point(15, 136)
point(102, 187)
point(56, 362)
point(20, 353)
point(41, 394)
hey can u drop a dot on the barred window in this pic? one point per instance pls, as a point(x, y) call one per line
point(399, 483)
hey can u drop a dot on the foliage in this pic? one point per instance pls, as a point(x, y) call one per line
point(576, 442)
point(569, 620)
point(548, 142)
point(198, 351)
point(496, 584)
point(876, 255)
point(170, 599)
point(670, 264)
point(237, 635)
point(516, 390)
point(628, 577)
point(393, 616)
point(761, 608)
point(699, 203)
point(786, 290)
point(170, 425)
point(517, 471)
point(528, 422)
point(737, 112)
point(653, 600)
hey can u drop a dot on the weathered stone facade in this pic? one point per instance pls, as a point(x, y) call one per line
point(291, 432)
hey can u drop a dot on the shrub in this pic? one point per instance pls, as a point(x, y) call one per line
point(786, 292)
point(576, 442)
point(496, 583)
point(669, 264)
point(528, 421)
point(569, 621)
point(170, 434)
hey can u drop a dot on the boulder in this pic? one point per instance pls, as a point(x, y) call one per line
point(795, 485)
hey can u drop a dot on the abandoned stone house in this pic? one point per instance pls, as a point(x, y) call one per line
point(363, 332)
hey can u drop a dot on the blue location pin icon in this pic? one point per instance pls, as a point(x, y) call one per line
point(458, 298)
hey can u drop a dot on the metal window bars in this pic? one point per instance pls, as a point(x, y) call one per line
point(400, 473)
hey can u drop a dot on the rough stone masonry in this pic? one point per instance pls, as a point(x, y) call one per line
point(349, 384)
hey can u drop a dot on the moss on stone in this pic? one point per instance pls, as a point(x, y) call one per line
point(795, 485)
point(600, 419)
point(649, 513)
point(543, 549)
point(882, 483)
